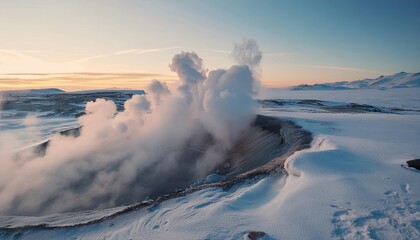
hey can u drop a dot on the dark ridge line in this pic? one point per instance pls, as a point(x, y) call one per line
point(415, 163)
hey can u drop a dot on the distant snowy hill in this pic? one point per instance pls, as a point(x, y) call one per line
point(32, 92)
point(398, 80)
point(48, 91)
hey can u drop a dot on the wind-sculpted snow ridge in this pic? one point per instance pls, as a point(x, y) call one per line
point(261, 151)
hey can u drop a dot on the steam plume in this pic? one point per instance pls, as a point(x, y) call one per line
point(161, 141)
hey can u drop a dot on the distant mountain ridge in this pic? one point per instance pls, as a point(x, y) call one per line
point(49, 91)
point(42, 91)
point(398, 80)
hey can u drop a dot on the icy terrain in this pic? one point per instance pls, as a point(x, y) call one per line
point(348, 185)
point(32, 116)
point(398, 80)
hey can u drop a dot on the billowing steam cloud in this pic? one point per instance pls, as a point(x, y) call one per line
point(247, 53)
point(161, 141)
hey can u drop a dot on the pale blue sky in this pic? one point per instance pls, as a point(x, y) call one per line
point(302, 41)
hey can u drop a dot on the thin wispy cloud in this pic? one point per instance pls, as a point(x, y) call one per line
point(125, 52)
point(36, 61)
point(6, 54)
point(341, 68)
point(23, 51)
point(219, 51)
point(264, 53)
point(80, 80)
point(128, 74)
point(280, 54)
point(12, 60)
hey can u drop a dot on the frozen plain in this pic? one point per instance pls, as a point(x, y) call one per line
point(348, 185)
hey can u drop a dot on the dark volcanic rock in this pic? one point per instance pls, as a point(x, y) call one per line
point(415, 163)
point(255, 235)
point(42, 148)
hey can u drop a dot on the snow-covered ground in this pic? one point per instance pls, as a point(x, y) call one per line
point(348, 185)
point(407, 98)
point(31, 116)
